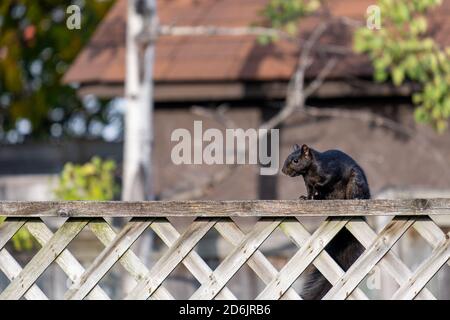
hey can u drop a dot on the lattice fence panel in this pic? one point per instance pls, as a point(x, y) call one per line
point(246, 250)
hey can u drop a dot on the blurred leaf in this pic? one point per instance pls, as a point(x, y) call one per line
point(92, 181)
point(401, 51)
point(285, 14)
point(398, 75)
point(34, 48)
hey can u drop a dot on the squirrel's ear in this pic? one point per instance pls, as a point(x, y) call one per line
point(296, 147)
point(305, 149)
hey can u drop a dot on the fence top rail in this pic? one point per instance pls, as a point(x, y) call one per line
point(205, 208)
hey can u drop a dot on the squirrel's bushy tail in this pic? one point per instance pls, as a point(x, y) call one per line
point(344, 249)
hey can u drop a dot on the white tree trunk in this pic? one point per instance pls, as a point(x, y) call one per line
point(137, 177)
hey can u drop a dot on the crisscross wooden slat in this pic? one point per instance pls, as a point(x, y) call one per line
point(300, 261)
point(428, 229)
point(391, 263)
point(423, 274)
point(8, 264)
point(67, 262)
point(12, 269)
point(362, 266)
point(40, 262)
point(9, 228)
point(168, 262)
point(130, 261)
point(193, 262)
point(257, 262)
point(234, 261)
point(107, 258)
point(298, 234)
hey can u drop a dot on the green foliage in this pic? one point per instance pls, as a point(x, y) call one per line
point(22, 240)
point(284, 15)
point(91, 181)
point(401, 50)
point(36, 49)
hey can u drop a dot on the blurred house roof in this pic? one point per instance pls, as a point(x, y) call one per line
point(187, 61)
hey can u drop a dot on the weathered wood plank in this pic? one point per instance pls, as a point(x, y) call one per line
point(107, 258)
point(423, 274)
point(67, 262)
point(168, 262)
point(8, 229)
point(261, 208)
point(257, 262)
point(130, 261)
point(234, 261)
point(373, 254)
point(428, 229)
point(298, 234)
point(43, 258)
point(193, 262)
point(302, 259)
point(391, 263)
point(12, 269)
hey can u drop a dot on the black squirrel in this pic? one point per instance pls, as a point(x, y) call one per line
point(329, 175)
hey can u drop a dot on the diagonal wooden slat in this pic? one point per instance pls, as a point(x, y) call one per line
point(391, 263)
point(107, 258)
point(302, 259)
point(168, 262)
point(45, 256)
point(130, 261)
point(373, 254)
point(12, 269)
point(298, 234)
point(257, 262)
point(234, 261)
point(67, 262)
point(8, 229)
point(430, 231)
point(423, 274)
point(193, 262)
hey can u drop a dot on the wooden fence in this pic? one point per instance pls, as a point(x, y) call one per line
point(285, 215)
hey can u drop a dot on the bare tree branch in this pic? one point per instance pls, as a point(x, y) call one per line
point(219, 115)
point(295, 100)
point(360, 115)
point(216, 178)
point(295, 97)
point(222, 31)
point(318, 81)
point(380, 121)
point(200, 191)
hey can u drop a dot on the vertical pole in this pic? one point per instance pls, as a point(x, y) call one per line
point(137, 171)
point(137, 178)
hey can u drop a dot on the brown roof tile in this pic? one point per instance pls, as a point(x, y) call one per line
point(219, 58)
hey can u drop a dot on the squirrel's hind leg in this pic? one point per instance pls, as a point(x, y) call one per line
point(357, 186)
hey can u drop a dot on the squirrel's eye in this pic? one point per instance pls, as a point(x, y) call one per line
point(295, 161)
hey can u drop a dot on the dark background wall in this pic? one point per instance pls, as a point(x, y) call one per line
point(389, 159)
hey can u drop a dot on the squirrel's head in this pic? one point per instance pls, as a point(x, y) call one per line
point(298, 162)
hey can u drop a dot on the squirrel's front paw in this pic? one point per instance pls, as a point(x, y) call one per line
point(303, 198)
